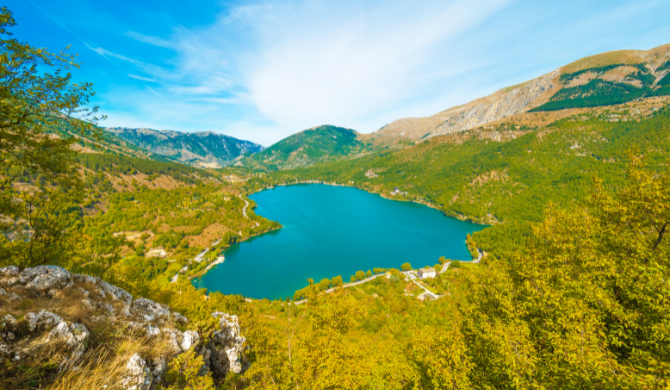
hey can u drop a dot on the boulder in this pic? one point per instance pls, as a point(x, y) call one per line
point(149, 310)
point(44, 278)
point(9, 271)
point(137, 375)
point(43, 320)
point(104, 288)
point(189, 339)
point(226, 346)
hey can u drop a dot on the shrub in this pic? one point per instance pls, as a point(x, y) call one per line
point(337, 281)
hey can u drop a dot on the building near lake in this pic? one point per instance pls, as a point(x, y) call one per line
point(427, 273)
point(156, 252)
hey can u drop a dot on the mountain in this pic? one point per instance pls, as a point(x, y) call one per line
point(204, 149)
point(600, 80)
point(318, 144)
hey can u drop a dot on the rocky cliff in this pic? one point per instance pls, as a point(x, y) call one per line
point(50, 316)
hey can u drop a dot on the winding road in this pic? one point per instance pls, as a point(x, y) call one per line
point(244, 211)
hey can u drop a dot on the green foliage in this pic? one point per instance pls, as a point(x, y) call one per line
point(322, 143)
point(39, 217)
point(599, 92)
point(183, 371)
point(129, 165)
point(406, 267)
point(337, 281)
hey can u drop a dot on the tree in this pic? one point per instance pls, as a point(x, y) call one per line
point(337, 281)
point(406, 267)
point(41, 110)
point(360, 275)
point(100, 253)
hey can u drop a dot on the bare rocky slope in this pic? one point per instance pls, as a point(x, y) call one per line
point(47, 315)
point(629, 73)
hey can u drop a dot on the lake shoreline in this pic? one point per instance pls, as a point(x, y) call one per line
point(458, 216)
point(282, 206)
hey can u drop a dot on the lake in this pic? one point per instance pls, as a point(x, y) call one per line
point(330, 231)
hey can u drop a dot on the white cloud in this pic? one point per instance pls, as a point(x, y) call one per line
point(266, 70)
point(308, 63)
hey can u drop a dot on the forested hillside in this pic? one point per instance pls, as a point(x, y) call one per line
point(323, 143)
point(204, 149)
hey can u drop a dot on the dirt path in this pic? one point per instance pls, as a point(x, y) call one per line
point(244, 210)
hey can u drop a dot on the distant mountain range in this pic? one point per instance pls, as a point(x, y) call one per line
point(204, 149)
point(600, 80)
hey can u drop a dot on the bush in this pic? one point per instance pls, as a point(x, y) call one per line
point(406, 267)
point(378, 270)
point(368, 274)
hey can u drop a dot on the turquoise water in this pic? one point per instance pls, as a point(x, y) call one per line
point(330, 231)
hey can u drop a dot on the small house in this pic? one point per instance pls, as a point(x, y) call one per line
point(427, 273)
point(156, 252)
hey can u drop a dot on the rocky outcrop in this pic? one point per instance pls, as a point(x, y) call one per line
point(41, 311)
point(223, 353)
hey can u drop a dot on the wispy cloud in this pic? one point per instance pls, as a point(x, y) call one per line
point(266, 69)
point(142, 78)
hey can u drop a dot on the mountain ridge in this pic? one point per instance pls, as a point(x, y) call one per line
point(205, 149)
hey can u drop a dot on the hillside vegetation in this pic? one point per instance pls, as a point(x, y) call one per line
point(208, 150)
point(323, 143)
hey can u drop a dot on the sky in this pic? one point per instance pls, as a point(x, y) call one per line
point(263, 70)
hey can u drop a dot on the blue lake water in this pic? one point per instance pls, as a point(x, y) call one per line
point(330, 231)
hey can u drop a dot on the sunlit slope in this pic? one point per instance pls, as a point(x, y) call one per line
point(599, 80)
point(512, 170)
point(318, 144)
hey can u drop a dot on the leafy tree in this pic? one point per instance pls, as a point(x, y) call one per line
point(406, 267)
point(100, 253)
point(337, 281)
point(35, 97)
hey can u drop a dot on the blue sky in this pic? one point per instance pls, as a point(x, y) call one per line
point(262, 70)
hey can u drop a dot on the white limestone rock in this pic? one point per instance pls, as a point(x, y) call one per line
point(137, 375)
point(43, 320)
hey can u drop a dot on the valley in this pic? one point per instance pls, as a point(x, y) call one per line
point(129, 257)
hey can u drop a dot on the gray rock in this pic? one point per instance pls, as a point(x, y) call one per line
point(43, 320)
point(137, 375)
point(9, 271)
point(105, 288)
point(45, 277)
point(73, 335)
point(226, 346)
point(150, 310)
point(10, 322)
point(180, 318)
point(5, 350)
point(13, 297)
point(189, 339)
